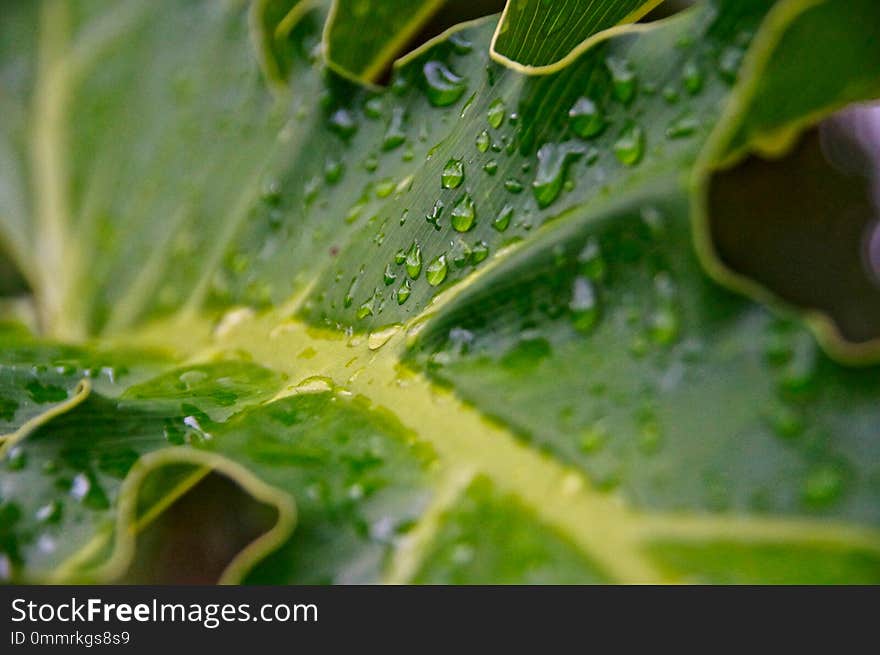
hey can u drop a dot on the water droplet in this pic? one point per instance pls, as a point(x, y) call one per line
point(367, 307)
point(513, 185)
point(502, 221)
point(191, 378)
point(729, 63)
point(403, 292)
point(389, 275)
point(495, 113)
point(463, 214)
point(591, 263)
point(593, 439)
point(630, 147)
point(587, 120)
point(460, 43)
point(453, 174)
point(623, 79)
point(683, 126)
point(434, 216)
point(584, 305)
point(784, 420)
point(663, 325)
point(436, 271)
point(17, 459)
point(373, 107)
point(692, 77)
point(443, 87)
point(461, 254)
point(491, 167)
point(824, 485)
point(414, 261)
point(553, 160)
point(479, 252)
point(483, 141)
point(333, 170)
point(395, 135)
point(384, 188)
point(400, 257)
point(50, 512)
point(343, 123)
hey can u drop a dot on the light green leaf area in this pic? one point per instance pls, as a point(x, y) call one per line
point(539, 36)
point(456, 330)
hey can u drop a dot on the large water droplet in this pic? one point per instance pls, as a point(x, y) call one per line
point(443, 86)
point(495, 113)
point(436, 271)
point(587, 120)
point(630, 147)
point(463, 214)
point(453, 174)
point(553, 159)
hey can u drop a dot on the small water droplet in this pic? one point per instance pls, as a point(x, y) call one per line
point(453, 174)
point(692, 76)
point(784, 420)
point(16, 460)
point(414, 261)
point(463, 214)
point(50, 512)
point(389, 275)
point(443, 86)
point(630, 146)
point(395, 135)
point(342, 122)
point(553, 160)
point(729, 63)
point(433, 217)
point(333, 170)
point(824, 485)
point(587, 121)
point(495, 113)
point(623, 79)
point(502, 221)
point(683, 126)
point(479, 252)
point(591, 263)
point(513, 185)
point(436, 271)
point(367, 307)
point(403, 292)
point(593, 439)
point(491, 167)
point(483, 141)
point(584, 305)
point(400, 257)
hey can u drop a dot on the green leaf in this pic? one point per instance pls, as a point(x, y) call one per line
point(537, 36)
point(455, 330)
